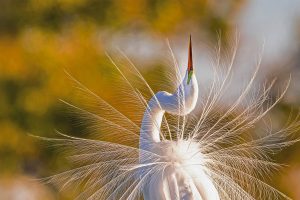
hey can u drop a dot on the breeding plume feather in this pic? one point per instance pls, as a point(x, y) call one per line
point(161, 148)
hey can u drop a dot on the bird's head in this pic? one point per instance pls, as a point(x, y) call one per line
point(190, 84)
point(184, 99)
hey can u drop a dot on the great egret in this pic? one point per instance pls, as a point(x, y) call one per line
point(207, 157)
point(180, 179)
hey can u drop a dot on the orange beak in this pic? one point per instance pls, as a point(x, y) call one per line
point(190, 59)
point(190, 62)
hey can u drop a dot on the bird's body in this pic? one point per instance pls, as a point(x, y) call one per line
point(183, 178)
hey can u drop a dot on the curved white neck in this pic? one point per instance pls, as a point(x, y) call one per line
point(181, 102)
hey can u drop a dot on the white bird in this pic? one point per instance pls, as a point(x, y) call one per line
point(211, 157)
point(178, 180)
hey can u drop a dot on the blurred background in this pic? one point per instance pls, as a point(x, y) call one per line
point(41, 38)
